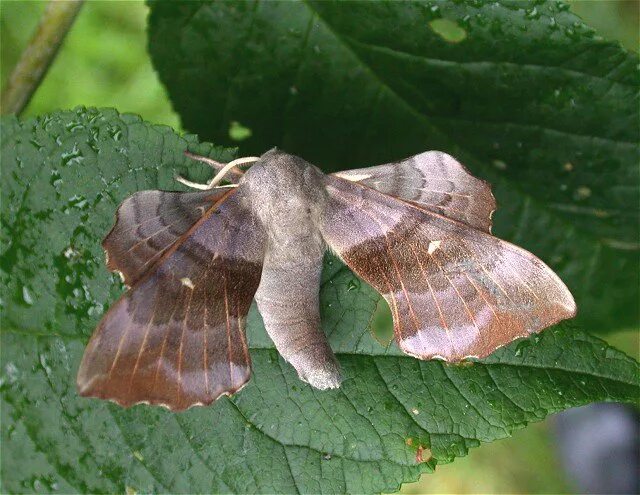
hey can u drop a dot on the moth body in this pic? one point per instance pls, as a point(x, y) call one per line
point(287, 195)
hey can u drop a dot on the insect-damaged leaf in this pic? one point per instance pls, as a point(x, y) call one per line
point(64, 174)
point(529, 99)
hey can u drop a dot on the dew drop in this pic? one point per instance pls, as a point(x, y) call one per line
point(601, 214)
point(36, 144)
point(70, 253)
point(582, 192)
point(11, 372)
point(71, 157)
point(499, 164)
point(353, 285)
point(77, 201)
point(115, 133)
point(56, 179)
point(532, 13)
point(73, 126)
point(521, 347)
point(26, 296)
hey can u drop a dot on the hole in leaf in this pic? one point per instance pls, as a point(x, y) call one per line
point(448, 30)
point(238, 132)
point(382, 323)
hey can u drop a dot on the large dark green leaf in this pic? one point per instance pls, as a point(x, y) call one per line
point(393, 418)
point(523, 92)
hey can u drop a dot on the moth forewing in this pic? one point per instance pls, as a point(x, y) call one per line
point(454, 291)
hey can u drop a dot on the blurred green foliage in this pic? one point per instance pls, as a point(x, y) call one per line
point(104, 62)
point(613, 19)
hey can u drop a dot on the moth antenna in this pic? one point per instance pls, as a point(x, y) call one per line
point(204, 159)
point(234, 163)
point(216, 165)
point(194, 185)
point(202, 187)
point(224, 170)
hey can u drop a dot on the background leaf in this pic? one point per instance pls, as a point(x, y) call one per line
point(394, 416)
point(523, 93)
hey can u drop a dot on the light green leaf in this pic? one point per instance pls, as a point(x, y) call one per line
point(393, 418)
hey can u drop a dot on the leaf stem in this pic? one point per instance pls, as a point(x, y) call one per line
point(38, 55)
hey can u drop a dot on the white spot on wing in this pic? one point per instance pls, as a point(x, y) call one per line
point(354, 177)
point(186, 281)
point(433, 245)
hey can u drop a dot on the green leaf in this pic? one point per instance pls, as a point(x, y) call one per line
point(522, 92)
point(393, 418)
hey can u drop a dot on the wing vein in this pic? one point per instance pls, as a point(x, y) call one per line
point(120, 342)
point(144, 341)
point(226, 313)
point(180, 355)
point(396, 269)
point(433, 295)
point(466, 307)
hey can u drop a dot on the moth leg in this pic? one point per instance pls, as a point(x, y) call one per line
point(288, 300)
point(224, 169)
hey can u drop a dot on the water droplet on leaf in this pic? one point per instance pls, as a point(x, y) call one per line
point(353, 284)
point(26, 296)
point(499, 164)
point(582, 192)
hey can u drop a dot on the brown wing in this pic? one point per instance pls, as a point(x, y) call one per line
point(150, 222)
point(176, 338)
point(454, 292)
point(433, 181)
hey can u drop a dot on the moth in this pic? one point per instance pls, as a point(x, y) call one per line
point(418, 231)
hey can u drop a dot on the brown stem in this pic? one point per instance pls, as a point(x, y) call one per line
point(37, 57)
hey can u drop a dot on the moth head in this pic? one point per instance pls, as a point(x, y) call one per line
point(280, 183)
point(275, 173)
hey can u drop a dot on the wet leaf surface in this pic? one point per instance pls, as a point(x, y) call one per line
point(394, 417)
point(524, 93)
